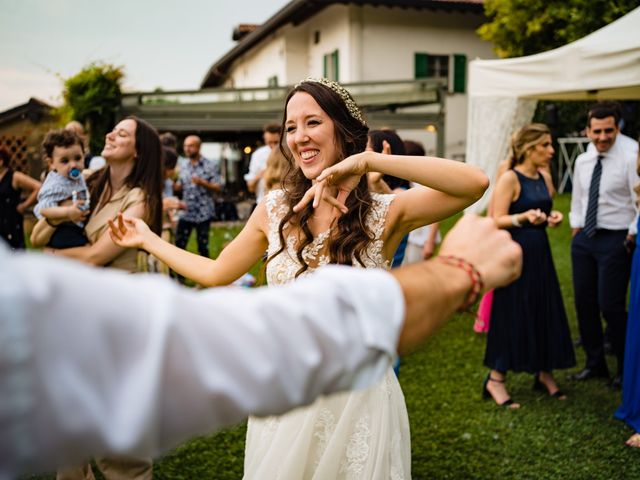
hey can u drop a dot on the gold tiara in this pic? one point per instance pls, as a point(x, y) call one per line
point(342, 92)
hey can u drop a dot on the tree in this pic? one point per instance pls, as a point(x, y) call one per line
point(525, 27)
point(93, 97)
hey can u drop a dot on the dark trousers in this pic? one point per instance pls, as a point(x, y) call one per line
point(183, 231)
point(601, 268)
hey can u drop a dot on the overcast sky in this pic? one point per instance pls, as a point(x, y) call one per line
point(169, 44)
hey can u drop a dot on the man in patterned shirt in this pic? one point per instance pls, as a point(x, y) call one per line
point(197, 180)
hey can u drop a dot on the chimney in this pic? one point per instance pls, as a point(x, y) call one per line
point(243, 30)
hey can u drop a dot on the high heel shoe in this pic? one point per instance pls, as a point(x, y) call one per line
point(486, 394)
point(541, 387)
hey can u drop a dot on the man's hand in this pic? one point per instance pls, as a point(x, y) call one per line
point(630, 243)
point(491, 250)
point(198, 181)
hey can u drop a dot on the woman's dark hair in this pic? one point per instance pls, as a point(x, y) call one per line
point(5, 158)
point(413, 148)
point(525, 139)
point(169, 158)
point(168, 139)
point(377, 137)
point(352, 236)
point(146, 174)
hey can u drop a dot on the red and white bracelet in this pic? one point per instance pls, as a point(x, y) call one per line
point(477, 284)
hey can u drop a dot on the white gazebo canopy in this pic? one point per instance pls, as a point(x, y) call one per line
point(503, 93)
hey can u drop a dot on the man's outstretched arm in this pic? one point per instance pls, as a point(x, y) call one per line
point(96, 362)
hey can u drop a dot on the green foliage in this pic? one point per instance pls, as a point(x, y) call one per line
point(525, 27)
point(93, 98)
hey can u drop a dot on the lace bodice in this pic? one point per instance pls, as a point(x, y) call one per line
point(283, 268)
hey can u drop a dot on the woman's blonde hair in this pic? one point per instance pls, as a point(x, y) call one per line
point(525, 139)
point(278, 165)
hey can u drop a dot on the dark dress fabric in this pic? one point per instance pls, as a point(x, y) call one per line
point(629, 411)
point(11, 222)
point(68, 235)
point(528, 331)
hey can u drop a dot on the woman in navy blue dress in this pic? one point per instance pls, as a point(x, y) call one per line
point(629, 411)
point(529, 331)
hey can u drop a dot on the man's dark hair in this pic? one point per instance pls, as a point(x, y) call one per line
point(603, 110)
point(168, 139)
point(60, 138)
point(272, 128)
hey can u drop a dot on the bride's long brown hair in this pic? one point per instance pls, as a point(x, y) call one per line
point(351, 235)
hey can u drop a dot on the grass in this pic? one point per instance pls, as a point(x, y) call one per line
point(456, 435)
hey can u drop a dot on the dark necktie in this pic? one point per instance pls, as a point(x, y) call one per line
point(591, 219)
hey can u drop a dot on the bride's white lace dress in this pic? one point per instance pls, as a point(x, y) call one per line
point(354, 435)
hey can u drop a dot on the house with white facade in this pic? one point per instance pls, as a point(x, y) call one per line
point(366, 42)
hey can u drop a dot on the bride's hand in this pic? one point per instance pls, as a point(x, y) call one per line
point(344, 175)
point(129, 232)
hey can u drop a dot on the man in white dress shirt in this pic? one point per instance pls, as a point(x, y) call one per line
point(603, 221)
point(159, 363)
point(255, 183)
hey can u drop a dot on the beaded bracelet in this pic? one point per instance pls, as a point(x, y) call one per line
point(477, 284)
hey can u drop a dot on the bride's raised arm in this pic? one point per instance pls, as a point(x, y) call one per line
point(448, 186)
point(234, 261)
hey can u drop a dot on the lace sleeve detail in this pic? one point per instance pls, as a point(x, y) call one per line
point(378, 213)
point(276, 210)
point(375, 222)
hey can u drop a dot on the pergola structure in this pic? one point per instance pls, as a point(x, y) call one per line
point(238, 115)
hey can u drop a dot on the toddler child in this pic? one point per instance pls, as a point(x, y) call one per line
point(64, 195)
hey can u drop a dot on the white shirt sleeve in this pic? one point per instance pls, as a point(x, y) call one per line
point(95, 361)
point(257, 163)
point(576, 215)
point(633, 181)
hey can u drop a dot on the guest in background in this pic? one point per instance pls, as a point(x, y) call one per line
point(12, 207)
point(629, 411)
point(388, 142)
point(170, 203)
point(168, 139)
point(278, 166)
point(422, 242)
point(603, 213)
point(197, 180)
point(271, 134)
point(529, 329)
point(130, 183)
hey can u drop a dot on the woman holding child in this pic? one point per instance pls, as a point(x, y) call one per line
point(130, 184)
point(325, 214)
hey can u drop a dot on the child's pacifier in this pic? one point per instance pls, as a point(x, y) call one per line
point(75, 173)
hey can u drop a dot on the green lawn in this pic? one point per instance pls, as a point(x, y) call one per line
point(455, 434)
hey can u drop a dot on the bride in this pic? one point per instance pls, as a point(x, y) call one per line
point(324, 214)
